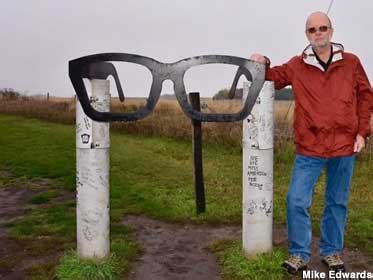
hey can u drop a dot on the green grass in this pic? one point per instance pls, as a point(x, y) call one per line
point(44, 197)
point(236, 266)
point(30, 148)
point(57, 220)
point(47, 230)
point(154, 176)
point(122, 248)
point(73, 267)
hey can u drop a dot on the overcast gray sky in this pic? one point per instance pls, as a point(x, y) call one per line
point(39, 37)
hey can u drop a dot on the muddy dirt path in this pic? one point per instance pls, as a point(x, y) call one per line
point(180, 252)
point(17, 256)
point(11, 201)
point(175, 251)
point(171, 251)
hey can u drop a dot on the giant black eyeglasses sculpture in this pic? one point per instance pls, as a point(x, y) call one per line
point(99, 66)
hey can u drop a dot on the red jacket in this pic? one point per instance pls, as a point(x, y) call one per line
point(331, 107)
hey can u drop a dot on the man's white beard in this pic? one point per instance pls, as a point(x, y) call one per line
point(320, 44)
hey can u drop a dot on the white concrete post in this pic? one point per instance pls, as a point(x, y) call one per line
point(92, 177)
point(257, 145)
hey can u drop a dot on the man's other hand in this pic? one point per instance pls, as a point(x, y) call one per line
point(258, 58)
point(359, 143)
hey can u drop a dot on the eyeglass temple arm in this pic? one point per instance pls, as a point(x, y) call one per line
point(101, 70)
point(239, 73)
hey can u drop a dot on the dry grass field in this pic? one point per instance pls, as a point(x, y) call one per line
point(167, 120)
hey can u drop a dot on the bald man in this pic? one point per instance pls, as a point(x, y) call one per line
point(331, 124)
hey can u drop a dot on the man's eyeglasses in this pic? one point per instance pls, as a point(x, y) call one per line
point(313, 30)
point(100, 66)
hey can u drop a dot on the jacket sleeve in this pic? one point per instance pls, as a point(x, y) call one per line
point(281, 75)
point(364, 101)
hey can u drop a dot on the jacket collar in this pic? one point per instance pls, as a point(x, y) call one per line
point(310, 58)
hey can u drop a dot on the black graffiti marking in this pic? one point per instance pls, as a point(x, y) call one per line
point(253, 160)
point(264, 206)
point(256, 185)
point(87, 123)
point(253, 172)
point(93, 99)
point(252, 208)
point(88, 234)
point(78, 181)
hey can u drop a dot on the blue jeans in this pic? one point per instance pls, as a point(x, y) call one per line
point(306, 171)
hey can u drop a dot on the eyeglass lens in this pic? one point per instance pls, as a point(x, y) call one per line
point(322, 28)
point(213, 82)
point(136, 81)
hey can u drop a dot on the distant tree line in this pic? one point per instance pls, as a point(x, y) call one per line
point(283, 94)
point(9, 94)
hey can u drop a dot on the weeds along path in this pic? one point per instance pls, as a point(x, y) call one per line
point(177, 251)
point(21, 257)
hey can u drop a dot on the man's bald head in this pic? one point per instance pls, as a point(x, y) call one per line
point(317, 17)
point(319, 31)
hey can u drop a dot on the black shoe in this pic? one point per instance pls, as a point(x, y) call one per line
point(294, 264)
point(334, 262)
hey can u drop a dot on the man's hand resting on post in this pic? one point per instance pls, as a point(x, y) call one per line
point(258, 58)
